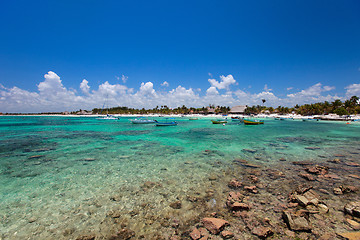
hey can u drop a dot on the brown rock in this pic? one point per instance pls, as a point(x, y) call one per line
point(86, 237)
point(296, 223)
point(337, 191)
point(123, 234)
point(214, 225)
point(319, 170)
point(262, 232)
point(302, 163)
point(251, 189)
point(254, 178)
point(354, 176)
point(348, 189)
point(234, 183)
point(307, 176)
point(323, 208)
point(302, 200)
point(227, 234)
point(355, 225)
point(353, 208)
point(176, 205)
point(195, 234)
point(352, 164)
point(236, 206)
point(204, 233)
point(350, 235)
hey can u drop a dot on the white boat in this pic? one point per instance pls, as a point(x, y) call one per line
point(142, 121)
point(108, 117)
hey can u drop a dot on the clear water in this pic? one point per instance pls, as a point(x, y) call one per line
point(59, 175)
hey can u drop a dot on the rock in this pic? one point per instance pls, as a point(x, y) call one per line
point(86, 237)
point(123, 234)
point(251, 189)
point(307, 176)
point(236, 206)
point(262, 232)
point(250, 165)
point(234, 183)
point(353, 208)
point(302, 200)
point(354, 176)
point(312, 196)
point(249, 150)
point(36, 156)
point(350, 235)
point(176, 205)
point(337, 191)
point(303, 163)
point(352, 164)
point(332, 176)
point(312, 148)
point(204, 233)
point(348, 189)
point(319, 170)
point(212, 178)
point(254, 178)
point(290, 233)
point(336, 160)
point(282, 159)
point(214, 225)
point(296, 223)
point(355, 225)
point(227, 234)
point(195, 234)
point(323, 208)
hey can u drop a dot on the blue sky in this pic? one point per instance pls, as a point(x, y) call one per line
point(287, 52)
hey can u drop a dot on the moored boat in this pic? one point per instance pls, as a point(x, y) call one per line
point(142, 121)
point(170, 123)
point(218, 121)
point(253, 122)
point(193, 118)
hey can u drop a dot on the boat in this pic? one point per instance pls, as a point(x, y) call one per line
point(142, 121)
point(218, 121)
point(193, 118)
point(237, 119)
point(253, 122)
point(108, 117)
point(167, 123)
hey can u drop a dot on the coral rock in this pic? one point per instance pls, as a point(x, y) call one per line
point(350, 235)
point(353, 208)
point(234, 184)
point(296, 223)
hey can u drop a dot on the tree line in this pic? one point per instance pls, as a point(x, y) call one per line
point(350, 106)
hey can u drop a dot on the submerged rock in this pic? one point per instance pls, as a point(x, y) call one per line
point(176, 205)
point(353, 208)
point(350, 235)
point(123, 234)
point(214, 225)
point(195, 234)
point(296, 223)
point(234, 183)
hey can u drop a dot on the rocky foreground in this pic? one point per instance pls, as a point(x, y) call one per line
point(290, 200)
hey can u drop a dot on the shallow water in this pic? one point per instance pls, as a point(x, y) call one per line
point(61, 176)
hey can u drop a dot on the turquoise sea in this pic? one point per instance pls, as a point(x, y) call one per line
point(61, 176)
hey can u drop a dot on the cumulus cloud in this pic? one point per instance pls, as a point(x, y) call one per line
point(289, 88)
point(352, 90)
point(124, 78)
point(224, 83)
point(266, 89)
point(165, 84)
point(52, 95)
point(84, 86)
point(212, 91)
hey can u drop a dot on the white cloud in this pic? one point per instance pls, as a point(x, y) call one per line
point(352, 90)
point(52, 95)
point(289, 88)
point(212, 91)
point(165, 84)
point(266, 89)
point(224, 83)
point(124, 78)
point(84, 86)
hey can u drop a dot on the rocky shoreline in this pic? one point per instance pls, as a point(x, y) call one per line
point(289, 200)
